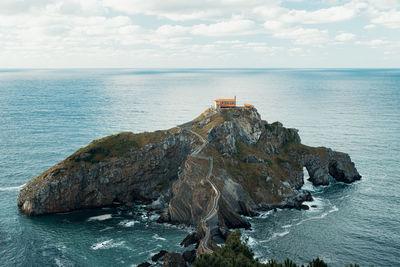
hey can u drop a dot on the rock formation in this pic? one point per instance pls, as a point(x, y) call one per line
point(256, 166)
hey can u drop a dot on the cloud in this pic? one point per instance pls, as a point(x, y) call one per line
point(102, 29)
point(171, 30)
point(319, 16)
point(390, 19)
point(183, 10)
point(374, 43)
point(303, 36)
point(369, 26)
point(345, 37)
point(231, 27)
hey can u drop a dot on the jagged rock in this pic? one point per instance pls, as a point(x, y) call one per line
point(190, 239)
point(159, 255)
point(236, 197)
point(172, 259)
point(144, 264)
point(322, 162)
point(342, 168)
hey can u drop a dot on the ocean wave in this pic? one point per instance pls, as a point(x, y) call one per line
point(128, 223)
point(107, 228)
point(265, 214)
point(251, 241)
point(154, 217)
point(281, 234)
point(318, 202)
point(12, 188)
point(100, 217)
point(323, 215)
point(156, 236)
point(275, 235)
point(107, 244)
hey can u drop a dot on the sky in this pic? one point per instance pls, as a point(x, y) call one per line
point(199, 34)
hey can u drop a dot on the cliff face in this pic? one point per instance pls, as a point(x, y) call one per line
point(123, 168)
point(205, 173)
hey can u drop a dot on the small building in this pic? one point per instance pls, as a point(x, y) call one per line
point(225, 103)
point(248, 106)
point(230, 103)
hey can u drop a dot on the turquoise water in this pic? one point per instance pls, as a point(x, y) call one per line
point(45, 115)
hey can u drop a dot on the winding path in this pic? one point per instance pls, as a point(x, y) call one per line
point(213, 211)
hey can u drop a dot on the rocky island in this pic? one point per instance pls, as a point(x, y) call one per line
point(205, 173)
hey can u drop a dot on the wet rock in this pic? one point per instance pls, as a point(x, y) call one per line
point(144, 264)
point(159, 255)
point(190, 239)
point(342, 168)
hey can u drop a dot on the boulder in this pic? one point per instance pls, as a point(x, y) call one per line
point(159, 255)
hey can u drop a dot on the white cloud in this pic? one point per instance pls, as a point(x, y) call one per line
point(374, 43)
point(104, 29)
point(390, 19)
point(384, 4)
point(171, 30)
point(273, 25)
point(231, 27)
point(302, 36)
point(181, 10)
point(370, 26)
point(345, 37)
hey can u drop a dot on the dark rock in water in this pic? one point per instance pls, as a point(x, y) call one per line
point(192, 238)
point(313, 206)
point(324, 162)
point(144, 264)
point(189, 255)
point(342, 168)
point(174, 260)
point(159, 255)
point(304, 207)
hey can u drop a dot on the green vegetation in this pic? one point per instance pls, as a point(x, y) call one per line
point(236, 254)
point(115, 146)
point(110, 146)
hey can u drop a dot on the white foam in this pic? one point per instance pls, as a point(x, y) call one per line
point(334, 208)
point(265, 214)
point(318, 202)
point(107, 244)
point(128, 223)
point(251, 241)
point(154, 217)
point(100, 217)
point(156, 236)
point(282, 234)
point(11, 188)
point(287, 226)
point(276, 235)
point(107, 228)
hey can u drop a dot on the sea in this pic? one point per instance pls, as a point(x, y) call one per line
point(47, 114)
